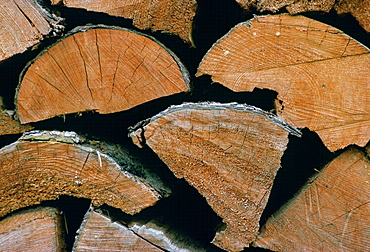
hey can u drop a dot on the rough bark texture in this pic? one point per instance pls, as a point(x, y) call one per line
point(164, 237)
point(45, 165)
point(39, 229)
point(329, 214)
point(360, 9)
point(23, 24)
point(229, 152)
point(168, 16)
point(106, 69)
point(299, 58)
point(99, 233)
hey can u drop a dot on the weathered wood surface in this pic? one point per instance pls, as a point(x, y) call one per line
point(23, 24)
point(100, 68)
point(164, 237)
point(229, 152)
point(321, 75)
point(331, 213)
point(175, 17)
point(99, 233)
point(7, 123)
point(43, 165)
point(360, 9)
point(38, 229)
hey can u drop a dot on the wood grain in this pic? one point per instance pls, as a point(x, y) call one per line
point(175, 17)
point(23, 24)
point(99, 68)
point(38, 229)
point(99, 233)
point(320, 73)
point(229, 152)
point(38, 170)
point(329, 214)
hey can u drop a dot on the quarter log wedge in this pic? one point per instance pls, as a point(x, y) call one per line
point(174, 17)
point(331, 213)
point(38, 229)
point(322, 76)
point(98, 233)
point(100, 68)
point(229, 152)
point(42, 165)
point(23, 24)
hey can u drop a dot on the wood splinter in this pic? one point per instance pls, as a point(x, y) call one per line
point(42, 165)
point(229, 152)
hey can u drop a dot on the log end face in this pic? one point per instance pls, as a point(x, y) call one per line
point(232, 240)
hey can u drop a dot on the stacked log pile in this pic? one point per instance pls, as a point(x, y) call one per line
point(223, 124)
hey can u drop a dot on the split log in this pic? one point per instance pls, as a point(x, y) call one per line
point(7, 123)
point(100, 68)
point(329, 214)
point(43, 165)
point(24, 23)
point(99, 233)
point(164, 236)
point(39, 229)
point(173, 17)
point(229, 152)
point(360, 9)
point(322, 76)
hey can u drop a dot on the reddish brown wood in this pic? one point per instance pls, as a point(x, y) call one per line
point(229, 152)
point(331, 213)
point(174, 17)
point(321, 74)
point(99, 233)
point(360, 9)
point(24, 23)
point(164, 237)
point(7, 123)
point(44, 165)
point(39, 229)
point(105, 69)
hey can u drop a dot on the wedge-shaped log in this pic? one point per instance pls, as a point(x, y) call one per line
point(322, 76)
point(38, 229)
point(164, 236)
point(106, 69)
point(99, 233)
point(331, 213)
point(168, 16)
point(43, 165)
point(229, 152)
point(24, 23)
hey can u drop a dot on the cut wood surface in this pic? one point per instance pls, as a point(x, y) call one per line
point(7, 123)
point(360, 9)
point(23, 24)
point(331, 213)
point(100, 68)
point(38, 229)
point(229, 152)
point(43, 165)
point(164, 237)
point(170, 16)
point(99, 233)
point(321, 75)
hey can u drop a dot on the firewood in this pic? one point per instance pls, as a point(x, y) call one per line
point(360, 9)
point(99, 233)
point(229, 152)
point(168, 16)
point(39, 229)
point(43, 165)
point(329, 214)
point(24, 23)
point(100, 68)
point(164, 236)
point(321, 74)
point(7, 123)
